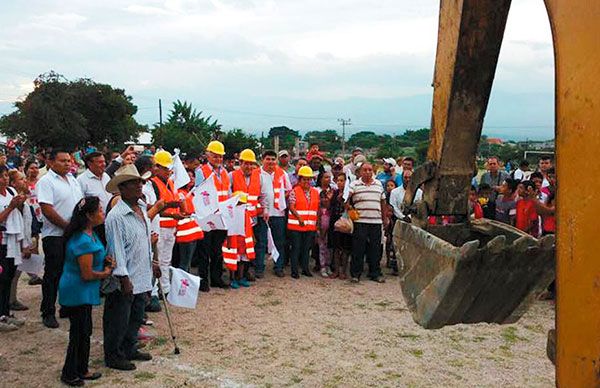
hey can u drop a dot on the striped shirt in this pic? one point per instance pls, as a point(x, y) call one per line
point(367, 200)
point(128, 242)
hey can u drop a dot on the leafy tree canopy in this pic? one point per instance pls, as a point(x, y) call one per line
point(328, 140)
point(236, 140)
point(66, 114)
point(287, 137)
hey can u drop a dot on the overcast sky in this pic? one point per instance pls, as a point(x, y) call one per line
point(259, 63)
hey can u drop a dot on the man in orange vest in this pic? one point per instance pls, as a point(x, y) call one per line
point(211, 254)
point(278, 185)
point(169, 217)
point(302, 221)
point(249, 180)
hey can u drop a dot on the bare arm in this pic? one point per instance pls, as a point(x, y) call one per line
point(51, 214)
point(87, 272)
point(14, 203)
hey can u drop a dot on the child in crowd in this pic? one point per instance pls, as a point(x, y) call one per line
point(488, 207)
point(506, 203)
point(390, 252)
point(340, 243)
point(238, 249)
point(475, 209)
point(527, 217)
point(325, 196)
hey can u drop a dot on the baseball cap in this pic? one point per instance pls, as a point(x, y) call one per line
point(390, 161)
point(283, 153)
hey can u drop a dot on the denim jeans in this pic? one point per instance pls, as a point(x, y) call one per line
point(301, 244)
point(278, 230)
point(186, 253)
point(366, 241)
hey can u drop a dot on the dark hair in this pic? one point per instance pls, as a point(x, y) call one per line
point(512, 184)
point(393, 181)
point(527, 184)
point(3, 169)
point(340, 174)
point(545, 157)
point(410, 159)
point(524, 163)
point(91, 156)
point(299, 159)
point(29, 163)
point(143, 163)
point(269, 153)
point(52, 154)
point(190, 156)
point(79, 220)
point(484, 186)
point(536, 174)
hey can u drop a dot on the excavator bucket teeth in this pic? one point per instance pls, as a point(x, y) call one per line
point(484, 271)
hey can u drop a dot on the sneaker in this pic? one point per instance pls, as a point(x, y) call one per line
point(50, 322)
point(324, 273)
point(354, 280)
point(244, 282)
point(234, 284)
point(379, 279)
point(329, 271)
point(19, 322)
point(5, 327)
point(279, 273)
point(154, 305)
point(18, 306)
point(204, 287)
point(308, 274)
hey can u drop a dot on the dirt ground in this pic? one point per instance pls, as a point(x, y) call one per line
point(309, 332)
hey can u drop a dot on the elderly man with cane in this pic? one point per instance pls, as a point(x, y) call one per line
point(129, 242)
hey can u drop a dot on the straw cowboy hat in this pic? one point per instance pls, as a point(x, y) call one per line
point(126, 173)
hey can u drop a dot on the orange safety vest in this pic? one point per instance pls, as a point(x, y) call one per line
point(306, 210)
point(168, 193)
point(234, 246)
point(221, 185)
point(278, 185)
point(252, 189)
point(188, 229)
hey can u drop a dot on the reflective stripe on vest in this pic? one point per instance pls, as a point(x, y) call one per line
point(307, 211)
point(167, 193)
point(221, 183)
point(188, 231)
point(252, 189)
point(278, 185)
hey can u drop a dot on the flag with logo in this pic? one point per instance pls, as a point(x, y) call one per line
point(184, 289)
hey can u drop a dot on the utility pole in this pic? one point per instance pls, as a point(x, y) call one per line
point(160, 111)
point(344, 123)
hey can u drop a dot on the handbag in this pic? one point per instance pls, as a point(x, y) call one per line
point(110, 285)
point(344, 225)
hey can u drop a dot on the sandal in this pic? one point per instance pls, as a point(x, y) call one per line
point(92, 376)
point(76, 382)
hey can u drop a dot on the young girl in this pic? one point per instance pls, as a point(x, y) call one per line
point(325, 195)
point(390, 252)
point(506, 204)
point(340, 243)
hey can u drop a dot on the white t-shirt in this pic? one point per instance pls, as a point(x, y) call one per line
point(63, 193)
point(4, 202)
point(522, 175)
point(397, 197)
point(91, 185)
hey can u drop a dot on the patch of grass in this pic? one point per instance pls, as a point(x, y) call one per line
point(267, 294)
point(26, 352)
point(383, 303)
point(416, 352)
point(456, 363)
point(269, 303)
point(307, 371)
point(333, 382)
point(159, 341)
point(361, 306)
point(509, 335)
point(479, 339)
point(379, 365)
point(268, 385)
point(389, 375)
point(296, 380)
point(372, 355)
point(144, 376)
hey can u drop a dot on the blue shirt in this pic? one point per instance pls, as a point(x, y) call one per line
point(72, 289)
point(385, 177)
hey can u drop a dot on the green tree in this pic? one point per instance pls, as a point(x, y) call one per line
point(186, 129)
point(63, 113)
point(364, 139)
point(287, 137)
point(236, 140)
point(328, 140)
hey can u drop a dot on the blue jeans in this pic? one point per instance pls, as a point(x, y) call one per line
point(278, 227)
point(186, 253)
point(301, 244)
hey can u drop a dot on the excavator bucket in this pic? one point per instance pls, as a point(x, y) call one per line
point(483, 271)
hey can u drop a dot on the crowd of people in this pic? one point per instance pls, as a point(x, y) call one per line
point(113, 224)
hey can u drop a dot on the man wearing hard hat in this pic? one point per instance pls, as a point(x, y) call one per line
point(211, 254)
point(250, 181)
point(165, 190)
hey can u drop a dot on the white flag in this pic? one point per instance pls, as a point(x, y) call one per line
point(184, 289)
point(271, 246)
point(205, 199)
point(210, 222)
point(180, 175)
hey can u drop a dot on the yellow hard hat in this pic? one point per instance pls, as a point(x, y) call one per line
point(305, 171)
point(163, 158)
point(216, 147)
point(243, 197)
point(248, 155)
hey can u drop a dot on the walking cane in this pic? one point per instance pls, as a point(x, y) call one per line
point(176, 351)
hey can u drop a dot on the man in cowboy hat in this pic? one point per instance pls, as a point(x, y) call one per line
point(129, 242)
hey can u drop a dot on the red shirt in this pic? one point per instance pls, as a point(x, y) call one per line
point(527, 217)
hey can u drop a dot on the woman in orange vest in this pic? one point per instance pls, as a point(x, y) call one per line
point(188, 231)
point(302, 220)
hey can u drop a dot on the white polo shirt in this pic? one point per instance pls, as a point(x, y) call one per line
point(91, 185)
point(63, 194)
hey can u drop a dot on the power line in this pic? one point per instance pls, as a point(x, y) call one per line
point(344, 123)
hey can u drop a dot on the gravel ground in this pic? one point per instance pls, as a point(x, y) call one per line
point(308, 332)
